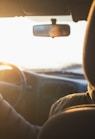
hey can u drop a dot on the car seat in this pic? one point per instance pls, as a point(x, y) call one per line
point(74, 123)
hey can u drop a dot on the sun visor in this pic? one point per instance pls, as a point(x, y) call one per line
point(80, 9)
point(45, 7)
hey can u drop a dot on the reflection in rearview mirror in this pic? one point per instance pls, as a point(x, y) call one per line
point(50, 30)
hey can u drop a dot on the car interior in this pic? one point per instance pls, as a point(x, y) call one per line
point(32, 91)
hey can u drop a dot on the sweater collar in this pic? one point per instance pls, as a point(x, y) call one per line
point(91, 91)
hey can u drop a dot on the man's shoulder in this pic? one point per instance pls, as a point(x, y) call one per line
point(68, 101)
point(71, 98)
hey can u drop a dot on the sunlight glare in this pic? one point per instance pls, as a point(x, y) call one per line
point(19, 46)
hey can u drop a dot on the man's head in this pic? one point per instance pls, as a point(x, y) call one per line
point(89, 48)
point(89, 53)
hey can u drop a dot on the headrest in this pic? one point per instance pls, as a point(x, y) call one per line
point(74, 123)
point(89, 47)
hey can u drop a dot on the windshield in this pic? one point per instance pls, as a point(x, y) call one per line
point(19, 46)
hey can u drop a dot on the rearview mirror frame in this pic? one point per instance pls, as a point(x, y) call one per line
point(51, 30)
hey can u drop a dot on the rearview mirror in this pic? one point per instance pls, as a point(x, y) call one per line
point(50, 30)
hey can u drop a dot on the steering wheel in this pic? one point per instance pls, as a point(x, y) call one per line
point(12, 82)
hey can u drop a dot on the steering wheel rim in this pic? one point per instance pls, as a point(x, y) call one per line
point(21, 85)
